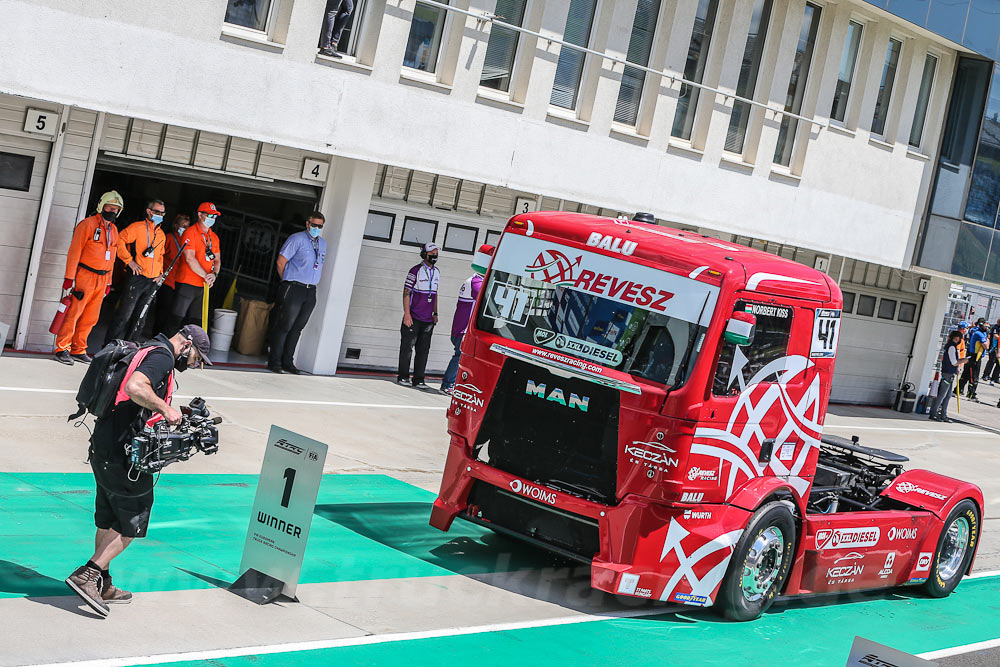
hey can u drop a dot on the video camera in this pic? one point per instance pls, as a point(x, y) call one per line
point(158, 446)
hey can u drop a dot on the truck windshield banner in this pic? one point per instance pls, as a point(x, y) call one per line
point(624, 282)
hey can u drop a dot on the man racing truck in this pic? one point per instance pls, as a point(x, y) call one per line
point(651, 402)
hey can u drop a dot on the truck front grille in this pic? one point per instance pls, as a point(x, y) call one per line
point(554, 431)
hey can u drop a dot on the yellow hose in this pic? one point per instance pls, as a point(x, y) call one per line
point(204, 309)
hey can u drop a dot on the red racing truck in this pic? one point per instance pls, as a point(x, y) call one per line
point(651, 402)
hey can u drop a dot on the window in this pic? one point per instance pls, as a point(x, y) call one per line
point(866, 305)
point(846, 76)
point(639, 46)
point(418, 231)
point(351, 30)
point(907, 312)
point(770, 342)
point(251, 14)
point(459, 238)
point(569, 69)
point(747, 83)
point(493, 237)
point(694, 68)
point(15, 171)
point(923, 97)
point(887, 309)
point(379, 226)
point(797, 84)
point(424, 42)
point(984, 192)
point(848, 301)
point(885, 88)
point(502, 46)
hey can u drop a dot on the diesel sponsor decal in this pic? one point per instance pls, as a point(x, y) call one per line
point(580, 348)
point(844, 538)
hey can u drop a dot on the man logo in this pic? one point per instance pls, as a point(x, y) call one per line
point(582, 403)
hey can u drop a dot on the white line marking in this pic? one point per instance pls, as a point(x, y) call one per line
point(979, 575)
point(237, 399)
point(957, 650)
point(894, 428)
point(236, 652)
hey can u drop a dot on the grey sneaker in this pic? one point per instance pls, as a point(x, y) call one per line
point(111, 594)
point(87, 583)
point(404, 382)
point(422, 386)
point(82, 357)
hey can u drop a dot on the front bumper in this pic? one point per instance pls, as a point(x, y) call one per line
point(640, 548)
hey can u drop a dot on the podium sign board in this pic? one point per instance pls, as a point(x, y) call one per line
point(283, 507)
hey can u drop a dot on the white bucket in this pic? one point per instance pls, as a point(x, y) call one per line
point(220, 340)
point(225, 321)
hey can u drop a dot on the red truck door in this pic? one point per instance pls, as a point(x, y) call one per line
point(762, 407)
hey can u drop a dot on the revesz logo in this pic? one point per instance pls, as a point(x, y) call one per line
point(289, 447)
point(531, 491)
point(705, 475)
point(901, 533)
point(554, 267)
point(910, 487)
point(612, 243)
point(582, 403)
point(842, 538)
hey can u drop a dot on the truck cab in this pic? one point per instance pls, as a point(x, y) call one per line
point(651, 401)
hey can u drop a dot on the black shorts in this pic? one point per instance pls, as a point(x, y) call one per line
point(128, 516)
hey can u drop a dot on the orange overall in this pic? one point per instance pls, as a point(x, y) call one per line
point(89, 262)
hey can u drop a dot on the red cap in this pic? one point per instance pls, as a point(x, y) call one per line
point(208, 207)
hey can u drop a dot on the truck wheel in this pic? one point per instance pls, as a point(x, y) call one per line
point(954, 549)
point(760, 563)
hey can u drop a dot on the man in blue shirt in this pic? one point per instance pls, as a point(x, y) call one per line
point(978, 348)
point(300, 264)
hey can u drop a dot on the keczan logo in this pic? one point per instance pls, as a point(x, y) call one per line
point(552, 266)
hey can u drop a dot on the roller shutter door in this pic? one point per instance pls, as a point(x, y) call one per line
point(873, 348)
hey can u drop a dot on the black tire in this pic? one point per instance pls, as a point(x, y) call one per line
point(942, 579)
point(733, 602)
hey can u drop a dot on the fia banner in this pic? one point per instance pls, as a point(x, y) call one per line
point(283, 507)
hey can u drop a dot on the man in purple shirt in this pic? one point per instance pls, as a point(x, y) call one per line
point(300, 264)
point(467, 294)
point(419, 316)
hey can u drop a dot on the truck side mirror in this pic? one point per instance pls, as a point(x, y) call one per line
point(740, 328)
point(483, 258)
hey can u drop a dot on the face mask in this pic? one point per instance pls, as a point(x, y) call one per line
point(315, 232)
point(209, 221)
point(109, 215)
point(432, 259)
point(157, 218)
point(181, 363)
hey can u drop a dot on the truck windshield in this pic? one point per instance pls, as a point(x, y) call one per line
point(622, 315)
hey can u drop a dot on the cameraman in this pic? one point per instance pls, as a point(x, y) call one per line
point(125, 496)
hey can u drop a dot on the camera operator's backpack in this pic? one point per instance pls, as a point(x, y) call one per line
point(105, 375)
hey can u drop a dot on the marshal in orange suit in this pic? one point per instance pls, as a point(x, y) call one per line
point(89, 262)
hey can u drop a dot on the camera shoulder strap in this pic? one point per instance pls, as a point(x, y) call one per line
point(140, 354)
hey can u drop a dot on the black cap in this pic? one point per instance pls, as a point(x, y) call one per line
point(199, 338)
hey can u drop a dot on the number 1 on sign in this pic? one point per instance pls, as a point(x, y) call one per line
point(289, 481)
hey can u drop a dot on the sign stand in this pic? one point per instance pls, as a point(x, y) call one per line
point(281, 517)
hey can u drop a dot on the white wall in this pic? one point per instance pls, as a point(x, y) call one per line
point(170, 62)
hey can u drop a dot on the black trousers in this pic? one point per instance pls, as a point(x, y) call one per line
point(295, 304)
point(164, 308)
point(137, 290)
point(418, 335)
point(184, 297)
point(334, 22)
point(970, 378)
point(992, 369)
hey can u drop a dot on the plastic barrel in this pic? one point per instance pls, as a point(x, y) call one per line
point(224, 321)
point(220, 340)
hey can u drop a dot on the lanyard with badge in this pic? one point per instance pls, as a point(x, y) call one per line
point(430, 282)
point(150, 245)
point(209, 255)
point(107, 240)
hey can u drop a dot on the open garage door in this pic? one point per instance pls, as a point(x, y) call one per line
point(875, 343)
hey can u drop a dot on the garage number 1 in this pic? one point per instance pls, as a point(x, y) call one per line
point(826, 333)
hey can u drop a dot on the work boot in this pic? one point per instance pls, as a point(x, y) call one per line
point(87, 583)
point(83, 357)
point(291, 369)
point(63, 357)
point(275, 369)
point(114, 595)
